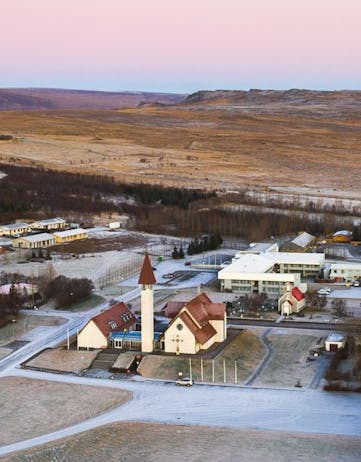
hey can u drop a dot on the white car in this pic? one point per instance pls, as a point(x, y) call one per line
point(185, 382)
point(325, 291)
point(356, 284)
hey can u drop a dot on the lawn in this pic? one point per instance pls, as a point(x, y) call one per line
point(24, 323)
point(42, 407)
point(139, 442)
point(236, 362)
point(288, 364)
point(87, 304)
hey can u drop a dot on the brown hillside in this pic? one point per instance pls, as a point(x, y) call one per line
point(297, 139)
point(13, 99)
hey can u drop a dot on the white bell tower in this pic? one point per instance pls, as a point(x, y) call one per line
point(147, 279)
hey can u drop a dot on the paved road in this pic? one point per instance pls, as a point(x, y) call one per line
point(289, 324)
point(266, 360)
point(296, 410)
point(58, 335)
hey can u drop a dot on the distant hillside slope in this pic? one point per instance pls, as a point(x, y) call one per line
point(313, 102)
point(42, 98)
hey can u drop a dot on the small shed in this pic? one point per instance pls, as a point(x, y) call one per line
point(335, 341)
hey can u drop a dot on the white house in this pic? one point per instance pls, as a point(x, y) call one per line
point(198, 325)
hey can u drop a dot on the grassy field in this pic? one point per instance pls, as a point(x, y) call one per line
point(140, 442)
point(87, 304)
point(214, 145)
point(29, 414)
point(64, 360)
point(24, 323)
point(288, 365)
point(246, 349)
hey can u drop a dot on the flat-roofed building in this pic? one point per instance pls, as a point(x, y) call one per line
point(347, 272)
point(49, 224)
point(335, 341)
point(70, 235)
point(259, 247)
point(268, 272)
point(15, 229)
point(35, 241)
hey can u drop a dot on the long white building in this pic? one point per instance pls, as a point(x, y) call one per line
point(347, 272)
point(268, 272)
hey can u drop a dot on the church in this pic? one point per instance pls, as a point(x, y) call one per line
point(197, 325)
point(194, 325)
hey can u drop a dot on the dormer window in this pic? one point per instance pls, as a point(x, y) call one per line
point(112, 324)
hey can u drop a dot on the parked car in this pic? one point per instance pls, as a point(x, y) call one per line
point(184, 381)
point(324, 291)
point(187, 263)
point(356, 284)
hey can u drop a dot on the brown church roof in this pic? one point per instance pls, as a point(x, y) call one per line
point(146, 276)
point(202, 334)
point(116, 319)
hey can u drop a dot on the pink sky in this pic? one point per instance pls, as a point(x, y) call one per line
point(180, 45)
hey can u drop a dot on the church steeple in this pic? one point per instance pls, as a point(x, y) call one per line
point(146, 277)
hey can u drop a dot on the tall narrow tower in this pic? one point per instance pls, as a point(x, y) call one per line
point(147, 279)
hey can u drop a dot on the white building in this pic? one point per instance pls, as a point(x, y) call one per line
point(197, 326)
point(347, 272)
point(268, 272)
point(96, 333)
point(260, 247)
point(36, 241)
point(335, 341)
point(292, 301)
point(49, 224)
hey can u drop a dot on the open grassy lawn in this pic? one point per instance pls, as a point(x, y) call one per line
point(24, 323)
point(288, 364)
point(87, 304)
point(64, 360)
point(42, 407)
point(143, 442)
point(243, 353)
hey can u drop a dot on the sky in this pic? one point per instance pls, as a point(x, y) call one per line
point(180, 45)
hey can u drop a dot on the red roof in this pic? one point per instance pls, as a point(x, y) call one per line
point(297, 294)
point(116, 319)
point(173, 308)
point(202, 334)
point(200, 307)
point(146, 276)
point(197, 314)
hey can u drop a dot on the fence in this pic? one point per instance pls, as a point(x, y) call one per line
point(214, 370)
point(125, 270)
